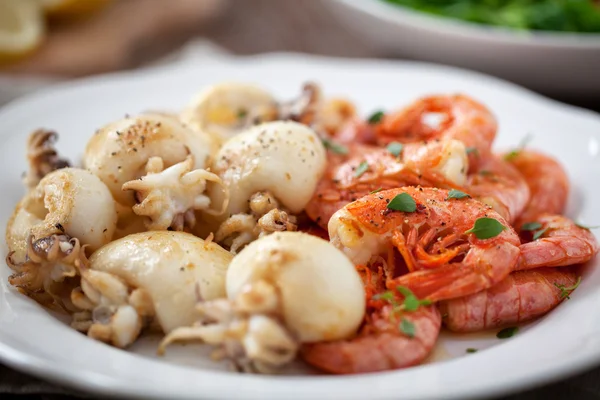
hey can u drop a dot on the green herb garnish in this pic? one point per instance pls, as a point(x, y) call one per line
point(376, 191)
point(395, 148)
point(531, 226)
point(387, 296)
point(376, 117)
point(242, 113)
point(473, 150)
point(335, 147)
point(361, 169)
point(565, 291)
point(580, 225)
point(411, 302)
point(539, 233)
point(456, 194)
point(485, 172)
point(403, 202)
point(471, 350)
point(507, 332)
point(515, 152)
point(407, 327)
point(486, 228)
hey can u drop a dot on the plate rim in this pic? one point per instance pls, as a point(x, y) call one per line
point(89, 380)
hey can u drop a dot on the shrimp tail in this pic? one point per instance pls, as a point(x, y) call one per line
point(557, 252)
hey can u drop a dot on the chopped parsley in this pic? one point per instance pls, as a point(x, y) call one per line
point(411, 303)
point(395, 148)
point(361, 169)
point(456, 194)
point(335, 147)
point(507, 332)
point(565, 291)
point(472, 150)
point(539, 233)
point(376, 117)
point(531, 226)
point(515, 152)
point(407, 327)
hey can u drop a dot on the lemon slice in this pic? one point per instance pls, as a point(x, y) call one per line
point(72, 8)
point(21, 28)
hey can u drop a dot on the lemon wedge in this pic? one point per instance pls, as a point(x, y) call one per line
point(72, 8)
point(21, 28)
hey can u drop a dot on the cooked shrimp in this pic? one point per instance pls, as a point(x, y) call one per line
point(355, 131)
point(442, 164)
point(548, 183)
point(561, 243)
point(462, 118)
point(501, 186)
point(522, 296)
point(445, 261)
point(380, 344)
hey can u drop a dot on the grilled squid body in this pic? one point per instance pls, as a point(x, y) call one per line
point(69, 208)
point(119, 152)
point(270, 172)
point(68, 201)
point(151, 276)
point(285, 158)
point(228, 108)
point(284, 289)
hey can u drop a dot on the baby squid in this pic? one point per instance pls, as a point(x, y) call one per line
point(270, 172)
point(69, 210)
point(170, 197)
point(42, 157)
point(279, 296)
point(120, 151)
point(226, 109)
point(68, 201)
point(147, 279)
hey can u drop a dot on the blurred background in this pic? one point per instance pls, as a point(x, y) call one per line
point(551, 46)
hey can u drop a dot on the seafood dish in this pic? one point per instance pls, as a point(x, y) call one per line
point(277, 231)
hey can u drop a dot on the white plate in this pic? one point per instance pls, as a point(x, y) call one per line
point(558, 63)
point(563, 343)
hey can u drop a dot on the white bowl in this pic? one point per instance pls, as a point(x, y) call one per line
point(562, 64)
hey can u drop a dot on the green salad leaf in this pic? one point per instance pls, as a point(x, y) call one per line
point(543, 15)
